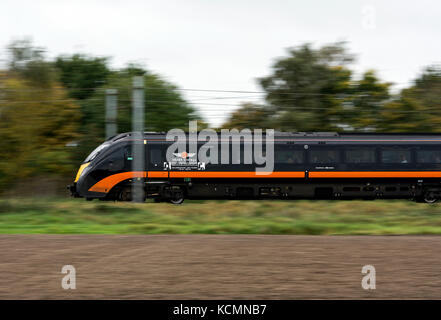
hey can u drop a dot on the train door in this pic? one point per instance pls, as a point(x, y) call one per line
point(155, 160)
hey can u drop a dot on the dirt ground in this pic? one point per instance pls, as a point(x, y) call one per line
point(219, 266)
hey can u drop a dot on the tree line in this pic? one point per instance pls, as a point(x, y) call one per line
point(52, 110)
point(316, 90)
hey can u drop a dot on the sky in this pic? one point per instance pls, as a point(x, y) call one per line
point(226, 45)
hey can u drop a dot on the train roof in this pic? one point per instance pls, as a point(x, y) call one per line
point(301, 135)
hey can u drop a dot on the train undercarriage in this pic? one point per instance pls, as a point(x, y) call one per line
point(176, 190)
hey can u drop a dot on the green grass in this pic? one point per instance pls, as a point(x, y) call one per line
point(73, 216)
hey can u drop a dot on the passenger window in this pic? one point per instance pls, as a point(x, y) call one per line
point(360, 155)
point(323, 156)
point(289, 156)
point(395, 156)
point(428, 156)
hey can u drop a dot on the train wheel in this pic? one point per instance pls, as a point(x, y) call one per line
point(429, 197)
point(177, 198)
point(125, 194)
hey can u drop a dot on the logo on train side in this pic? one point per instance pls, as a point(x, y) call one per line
point(184, 155)
point(184, 161)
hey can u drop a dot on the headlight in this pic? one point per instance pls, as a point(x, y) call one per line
point(81, 171)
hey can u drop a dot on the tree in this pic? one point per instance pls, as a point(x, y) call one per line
point(364, 104)
point(249, 115)
point(418, 108)
point(314, 90)
point(38, 118)
point(28, 62)
point(165, 108)
point(36, 127)
point(307, 88)
point(82, 74)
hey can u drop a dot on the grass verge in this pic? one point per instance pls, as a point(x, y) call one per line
point(75, 216)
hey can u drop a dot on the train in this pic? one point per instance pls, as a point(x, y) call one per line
point(307, 165)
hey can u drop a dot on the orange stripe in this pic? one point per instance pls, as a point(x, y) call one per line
point(375, 174)
point(234, 174)
point(157, 174)
point(109, 182)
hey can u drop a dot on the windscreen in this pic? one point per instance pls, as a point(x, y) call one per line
point(96, 152)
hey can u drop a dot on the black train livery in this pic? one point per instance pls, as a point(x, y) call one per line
point(306, 166)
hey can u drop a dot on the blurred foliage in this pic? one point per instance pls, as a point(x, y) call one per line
point(365, 102)
point(81, 74)
point(307, 88)
point(29, 63)
point(315, 90)
point(52, 112)
point(415, 109)
point(240, 119)
point(35, 127)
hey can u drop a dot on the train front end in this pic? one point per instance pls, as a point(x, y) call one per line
point(83, 181)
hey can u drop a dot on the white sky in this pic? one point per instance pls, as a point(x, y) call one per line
point(226, 45)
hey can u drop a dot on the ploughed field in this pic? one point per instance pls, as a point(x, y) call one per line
point(218, 266)
point(77, 216)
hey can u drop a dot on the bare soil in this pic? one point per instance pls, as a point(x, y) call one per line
point(219, 266)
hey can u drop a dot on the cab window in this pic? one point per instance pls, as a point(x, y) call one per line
point(96, 152)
